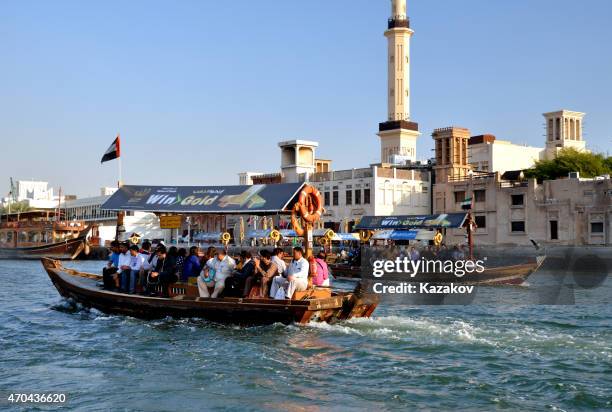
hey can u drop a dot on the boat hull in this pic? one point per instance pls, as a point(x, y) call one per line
point(83, 288)
point(506, 275)
point(69, 249)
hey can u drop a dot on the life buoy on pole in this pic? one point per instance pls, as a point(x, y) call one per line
point(329, 235)
point(365, 235)
point(275, 235)
point(308, 209)
point(310, 204)
point(225, 237)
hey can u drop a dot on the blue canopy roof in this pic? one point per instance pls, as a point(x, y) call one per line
point(396, 235)
point(445, 220)
point(251, 200)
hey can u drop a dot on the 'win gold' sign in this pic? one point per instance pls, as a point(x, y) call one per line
point(170, 222)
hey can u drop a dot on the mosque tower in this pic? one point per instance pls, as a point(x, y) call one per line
point(398, 135)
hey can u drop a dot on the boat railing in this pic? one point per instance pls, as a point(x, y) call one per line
point(72, 225)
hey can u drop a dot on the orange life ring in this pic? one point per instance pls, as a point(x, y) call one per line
point(311, 204)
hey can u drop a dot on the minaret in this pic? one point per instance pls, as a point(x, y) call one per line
point(398, 134)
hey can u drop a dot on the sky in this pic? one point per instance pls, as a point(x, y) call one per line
point(202, 90)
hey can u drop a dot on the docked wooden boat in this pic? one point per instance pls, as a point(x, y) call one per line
point(316, 305)
point(33, 234)
point(502, 275)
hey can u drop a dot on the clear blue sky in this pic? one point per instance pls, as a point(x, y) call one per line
point(201, 90)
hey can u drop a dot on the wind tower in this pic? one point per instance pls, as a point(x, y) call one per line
point(398, 135)
point(563, 129)
point(451, 154)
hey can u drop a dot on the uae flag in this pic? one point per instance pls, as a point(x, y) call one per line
point(466, 204)
point(113, 151)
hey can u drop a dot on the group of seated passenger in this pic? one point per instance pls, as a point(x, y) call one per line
point(131, 269)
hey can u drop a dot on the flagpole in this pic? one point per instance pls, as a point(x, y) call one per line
point(120, 215)
point(120, 182)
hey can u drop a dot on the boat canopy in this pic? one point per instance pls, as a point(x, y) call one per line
point(221, 200)
point(445, 220)
point(258, 234)
point(288, 233)
point(31, 214)
point(346, 237)
point(404, 235)
point(207, 236)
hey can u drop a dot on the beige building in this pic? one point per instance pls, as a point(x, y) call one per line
point(378, 190)
point(486, 153)
point(569, 212)
point(507, 208)
point(489, 154)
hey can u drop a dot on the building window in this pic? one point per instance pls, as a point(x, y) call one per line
point(327, 198)
point(480, 196)
point(518, 200)
point(459, 196)
point(597, 227)
point(335, 198)
point(349, 197)
point(358, 197)
point(518, 226)
point(481, 221)
point(366, 196)
point(554, 230)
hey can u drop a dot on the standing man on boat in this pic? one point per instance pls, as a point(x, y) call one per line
point(297, 277)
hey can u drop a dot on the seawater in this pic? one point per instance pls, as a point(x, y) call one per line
point(498, 355)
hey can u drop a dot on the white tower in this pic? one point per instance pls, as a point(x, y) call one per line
point(297, 160)
point(563, 129)
point(398, 134)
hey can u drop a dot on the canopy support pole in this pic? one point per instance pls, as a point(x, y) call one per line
point(308, 240)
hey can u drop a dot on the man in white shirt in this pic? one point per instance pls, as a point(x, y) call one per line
point(214, 274)
point(297, 277)
point(125, 258)
point(277, 259)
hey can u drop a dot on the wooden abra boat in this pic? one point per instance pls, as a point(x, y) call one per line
point(503, 275)
point(30, 235)
point(316, 305)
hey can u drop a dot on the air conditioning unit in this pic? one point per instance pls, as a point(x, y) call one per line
point(574, 175)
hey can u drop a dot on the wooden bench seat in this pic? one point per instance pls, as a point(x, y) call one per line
point(189, 290)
